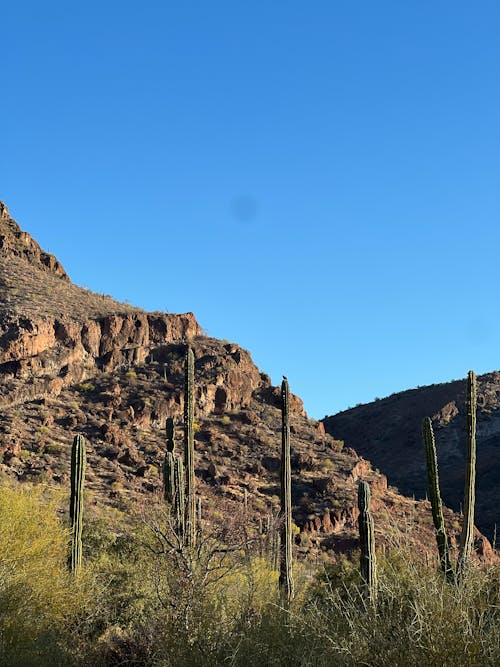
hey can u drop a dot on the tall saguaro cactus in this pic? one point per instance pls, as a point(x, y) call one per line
point(368, 563)
point(435, 498)
point(78, 464)
point(467, 536)
point(189, 447)
point(286, 576)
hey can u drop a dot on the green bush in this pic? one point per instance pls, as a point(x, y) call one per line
point(142, 601)
point(38, 598)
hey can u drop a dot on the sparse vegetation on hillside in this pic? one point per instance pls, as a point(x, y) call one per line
point(26, 291)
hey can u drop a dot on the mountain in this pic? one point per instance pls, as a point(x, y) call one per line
point(388, 432)
point(73, 361)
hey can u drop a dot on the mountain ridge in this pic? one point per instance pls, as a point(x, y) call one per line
point(388, 432)
point(75, 361)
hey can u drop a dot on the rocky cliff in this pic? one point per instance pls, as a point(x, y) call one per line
point(75, 361)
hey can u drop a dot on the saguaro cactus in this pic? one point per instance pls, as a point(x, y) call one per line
point(199, 530)
point(286, 577)
point(435, 498)
point(368, 563)
point(179, 499)
point(169, 464)
point(78, 464)
point(189, 447)
point(467, 536)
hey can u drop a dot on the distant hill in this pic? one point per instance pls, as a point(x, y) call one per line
point(388, 432)
point(75, 361)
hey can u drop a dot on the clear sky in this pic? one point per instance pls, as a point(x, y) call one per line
point(317, 181)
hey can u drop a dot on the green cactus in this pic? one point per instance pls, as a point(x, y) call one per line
point(179, 500)
point(169, 464)
point(78, 464)
point(368, 562)
point(467, 536)
point(199, 533)
point(435, 498)
point(189, 448)
point(169, 430)
point(169, 477)
point(286, 575)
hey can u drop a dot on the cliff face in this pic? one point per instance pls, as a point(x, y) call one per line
point(53, 333)
point(75, 361)
point(388, 432)
point(41, 356)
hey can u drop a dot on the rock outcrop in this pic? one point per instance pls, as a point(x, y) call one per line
point(16, 243)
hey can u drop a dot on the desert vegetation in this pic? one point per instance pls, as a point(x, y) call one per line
point(161, 585)
point(139, 599)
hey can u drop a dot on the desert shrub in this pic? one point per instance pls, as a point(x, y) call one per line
point(38, 597)
point(144, 600)
point(86, 386)
point(419, 620)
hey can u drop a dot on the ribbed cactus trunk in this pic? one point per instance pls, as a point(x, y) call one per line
point(169, 464)
point(467, 536)
point(199, 531)
point(78, 464)
point(368, 563)
point(179, 500)
point(435, 498)
point(189, 448)
point(286, 576)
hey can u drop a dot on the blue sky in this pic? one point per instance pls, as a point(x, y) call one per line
point(318, 182)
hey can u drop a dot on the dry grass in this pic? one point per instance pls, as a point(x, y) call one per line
point(31, 292)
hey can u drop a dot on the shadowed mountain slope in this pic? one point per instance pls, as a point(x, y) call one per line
point(388, 432)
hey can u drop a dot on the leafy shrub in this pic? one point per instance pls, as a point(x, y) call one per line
point(143, 600)
point(38, 598)
point(86, 386)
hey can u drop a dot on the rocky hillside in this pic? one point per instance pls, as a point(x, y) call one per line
point(388, 432)
point(74, 361)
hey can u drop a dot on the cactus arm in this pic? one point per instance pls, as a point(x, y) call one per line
point(285, 576)
point(435, 498)
point(368, 563)
point(169, 464)
point(169, 430)
point(467, 535)
point(169, 477)
point(179, 500)
point(78, 464)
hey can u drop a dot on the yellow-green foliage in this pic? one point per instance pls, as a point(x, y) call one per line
point(138, 601)
point(37, 598)
point(249, 585)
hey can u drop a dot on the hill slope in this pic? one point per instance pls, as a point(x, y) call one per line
point(74, 361)
point(388, 432)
